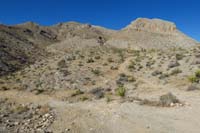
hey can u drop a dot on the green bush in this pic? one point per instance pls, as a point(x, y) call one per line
point(121, 90)
point(193, 79)
point(96, 72)
point(197, 73)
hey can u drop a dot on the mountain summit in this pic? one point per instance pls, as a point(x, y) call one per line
point(152, 25)
point(151, 33)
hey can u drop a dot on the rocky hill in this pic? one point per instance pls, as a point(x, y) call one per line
point(23, 44)
point(151, 33)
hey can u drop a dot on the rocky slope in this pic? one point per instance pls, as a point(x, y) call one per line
point(151, 33)
point(23, 44)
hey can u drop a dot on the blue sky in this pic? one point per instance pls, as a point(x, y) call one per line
point(114, 14)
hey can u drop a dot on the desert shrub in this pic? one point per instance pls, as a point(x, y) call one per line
point(197, 73)
point(84, 98)
point(176, 71)
point(179, 56)
point(108, 98)
point(148, 102)
point(122, 57)
point(150, 63)
point(193, 79)
point(123, 78)
point(167, 99)
point(110, 60)
point(90, 60)
point(65, 72)
point(138, 59)
point(131, 66)
point(97, 92)
point(62, 64)
point(131, 79)
point(96, 72)
point(121, 90)
point(77, 92)
point(80, 63)
point(163, 76)
point(97, 57)
point(156, 72)
point(114, 67)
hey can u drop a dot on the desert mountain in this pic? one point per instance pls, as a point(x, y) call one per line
point(24, 43)
point(81, 78)
point(151, 33)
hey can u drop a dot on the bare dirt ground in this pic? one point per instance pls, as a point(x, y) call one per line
point(116, 117)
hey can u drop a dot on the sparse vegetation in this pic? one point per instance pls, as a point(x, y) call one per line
point(77, 92)
point(96, 72)
point(197, 73)
point(66, 63)
point(110, 59)
point(195, 78)
point(176, 71)
point(108, 98)
point(90, 60)
point(179, 56)
point(131, 65)
point(167, 100)
point(97, 57)
point(84, 98)
point(121, 91)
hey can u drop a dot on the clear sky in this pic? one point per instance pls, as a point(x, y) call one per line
point(114, 14)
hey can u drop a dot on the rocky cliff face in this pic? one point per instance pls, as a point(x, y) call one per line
point(152, 25)
point(151, 33)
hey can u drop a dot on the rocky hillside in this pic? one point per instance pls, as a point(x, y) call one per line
point(66, 77)
point(151, 33)
point(23, 44)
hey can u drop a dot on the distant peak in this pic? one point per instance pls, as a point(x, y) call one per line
point(152, 25)
point(29, 24)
